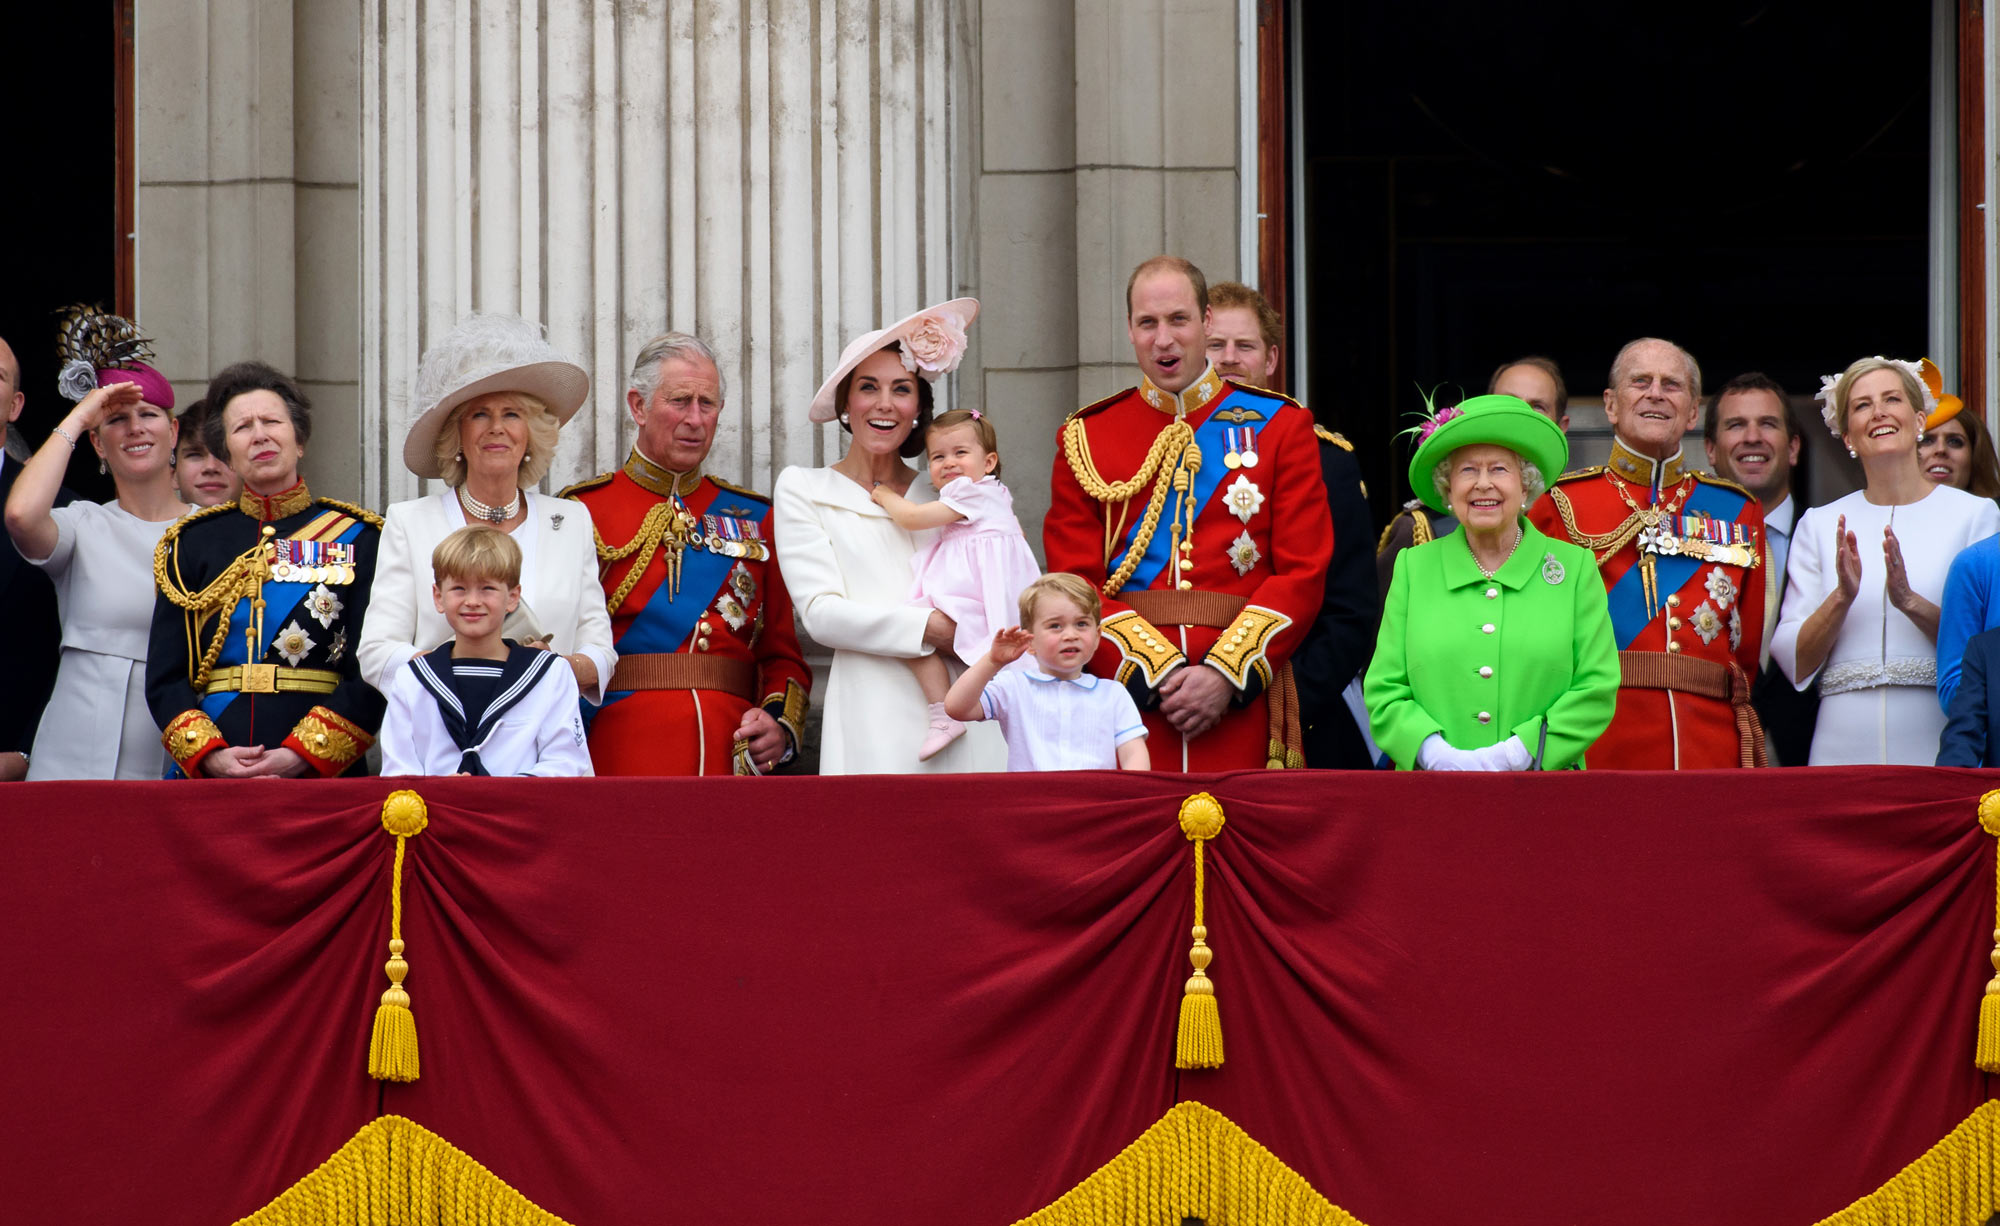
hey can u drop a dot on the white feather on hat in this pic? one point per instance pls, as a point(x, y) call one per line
point(488, 353)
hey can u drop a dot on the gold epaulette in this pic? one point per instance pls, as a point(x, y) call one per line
point(1420, 527)
point(1332, 436)
point(1578, 474)
point(361, 513)
point(1724, 482)
point(1265, 391)
point(1095, 405)
point(734, 488)
point(173, 532)
point(588, 483)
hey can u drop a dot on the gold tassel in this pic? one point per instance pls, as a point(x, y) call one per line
point(392, 1047)
point(1987, 1056)
point(1198, 1041)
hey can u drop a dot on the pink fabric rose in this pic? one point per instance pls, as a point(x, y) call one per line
point(934, 346)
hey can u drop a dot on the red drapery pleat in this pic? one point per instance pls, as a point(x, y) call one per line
point(1730, 998)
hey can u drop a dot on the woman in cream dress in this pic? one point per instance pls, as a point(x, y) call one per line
point(1865, 576)
point(848, 564)
point(498, 393)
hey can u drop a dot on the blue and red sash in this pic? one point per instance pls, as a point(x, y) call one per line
point(1671, 572)
point(1214, 436)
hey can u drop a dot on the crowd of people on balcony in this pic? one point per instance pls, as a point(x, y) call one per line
point(1215, 596)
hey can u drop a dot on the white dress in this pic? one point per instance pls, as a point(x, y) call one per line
point(97, 724)
point(559, 585)
point(1878, 686)
point(847, 565)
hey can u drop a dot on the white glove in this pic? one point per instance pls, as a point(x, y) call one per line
point(1437, 754)
point(1509, 755)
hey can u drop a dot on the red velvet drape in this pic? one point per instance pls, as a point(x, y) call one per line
point(1592, 997)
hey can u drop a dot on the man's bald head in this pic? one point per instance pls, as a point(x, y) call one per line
point(10, 381)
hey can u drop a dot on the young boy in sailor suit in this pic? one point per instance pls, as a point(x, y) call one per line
point(482, 704)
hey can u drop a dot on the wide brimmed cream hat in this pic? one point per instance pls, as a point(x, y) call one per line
point(488, 353)
point(933, 342)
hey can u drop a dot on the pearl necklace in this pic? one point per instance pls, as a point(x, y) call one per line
point(1519, 536)
point(493, 515)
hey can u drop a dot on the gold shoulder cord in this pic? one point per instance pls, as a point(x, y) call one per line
point(1603, 545)
point(1173, 456)
point(666, 522)
point(242, 577)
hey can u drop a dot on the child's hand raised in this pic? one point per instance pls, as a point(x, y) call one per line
point(880, 494)
point(1009, 644)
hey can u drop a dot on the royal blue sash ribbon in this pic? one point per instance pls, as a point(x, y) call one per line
point(1209, 436)
point(1628, 597)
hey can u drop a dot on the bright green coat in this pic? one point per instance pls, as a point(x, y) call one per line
point(1541, 627)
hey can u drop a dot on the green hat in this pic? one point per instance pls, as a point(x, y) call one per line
point(1503, 421)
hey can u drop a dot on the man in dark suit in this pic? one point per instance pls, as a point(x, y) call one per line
point(1970, 738)
point(1752, 439)
point(28, 623)
point(1244, 339)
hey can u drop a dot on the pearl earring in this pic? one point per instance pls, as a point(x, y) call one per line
point(1851, 455)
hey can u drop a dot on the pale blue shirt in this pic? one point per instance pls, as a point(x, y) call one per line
point(1053, 725)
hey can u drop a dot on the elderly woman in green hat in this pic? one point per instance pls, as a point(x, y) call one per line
point(1496, 650)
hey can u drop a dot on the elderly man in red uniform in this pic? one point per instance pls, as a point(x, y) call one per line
point(1197, 506)
point(710, 680)
point(1682, 555)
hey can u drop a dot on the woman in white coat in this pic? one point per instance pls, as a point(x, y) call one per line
point(848, 564)
point(497, 392)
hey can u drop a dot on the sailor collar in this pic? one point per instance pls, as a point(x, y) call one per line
point(277, 506)
point(1190, 398)
point(1643, 469)
point(658, 479)
point(1086, 681)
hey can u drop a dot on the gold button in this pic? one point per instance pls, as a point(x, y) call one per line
point(1485, 717)
point(1674, 647)
point(1487, 628)
point(1673, 623)
point(701, 644)
point(1187, 585)
point(1229, 649)
point(1673, 602)
point(1486, 670)
point(705, 628)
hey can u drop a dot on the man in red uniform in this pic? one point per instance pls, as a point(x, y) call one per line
point(1682, 555)
point(1197, 506)
point(710, 680)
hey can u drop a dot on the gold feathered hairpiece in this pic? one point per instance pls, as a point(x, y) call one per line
point(89, 339)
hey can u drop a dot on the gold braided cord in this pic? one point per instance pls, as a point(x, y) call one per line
point(645, 542)
point(398, 1173)
point(218, 599)
point(1172, 455)
point(1603, 545)
point(1194, 1163)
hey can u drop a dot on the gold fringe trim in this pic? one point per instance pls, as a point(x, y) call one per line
point(1957, 1183)
point(395, 1172)
point(1194, 1163)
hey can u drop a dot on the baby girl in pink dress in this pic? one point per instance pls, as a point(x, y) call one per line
point(975, 568)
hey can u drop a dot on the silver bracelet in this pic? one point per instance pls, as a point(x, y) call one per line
point(65, 436)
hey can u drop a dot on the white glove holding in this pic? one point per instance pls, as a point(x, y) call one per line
point(1509, 755)
point(1437, 754)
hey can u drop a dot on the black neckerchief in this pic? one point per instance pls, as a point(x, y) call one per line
point(519, 673)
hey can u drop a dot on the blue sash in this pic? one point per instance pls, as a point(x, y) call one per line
point(1671, 574)
point(665, 623)
point(1208, 436)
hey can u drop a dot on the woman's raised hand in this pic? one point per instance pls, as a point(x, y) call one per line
point(1899, 578)
point(1848, 561)
point(91, 411)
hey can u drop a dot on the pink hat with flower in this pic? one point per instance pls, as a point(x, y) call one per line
point(933, 342)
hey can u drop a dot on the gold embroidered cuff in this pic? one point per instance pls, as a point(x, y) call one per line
point(190, 737)
point(789, 709)
point(1239, 653)
point(329, 742)
point(1145, 648)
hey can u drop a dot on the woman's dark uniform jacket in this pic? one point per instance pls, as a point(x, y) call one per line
point(308, 562)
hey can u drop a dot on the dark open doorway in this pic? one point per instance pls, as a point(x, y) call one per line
point(67, 158)
point(1484, 181)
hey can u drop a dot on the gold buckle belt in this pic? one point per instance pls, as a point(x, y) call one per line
point(682, 671)
point(271, 679)
point(1173, 607)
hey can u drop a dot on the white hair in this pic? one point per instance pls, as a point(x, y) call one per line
point(1533, 484)
point(654, 353)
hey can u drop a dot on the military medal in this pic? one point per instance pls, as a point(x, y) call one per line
point(1231, 457)
point(1249, 451)
point(1552, 570)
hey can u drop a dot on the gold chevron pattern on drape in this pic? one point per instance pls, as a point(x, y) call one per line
point(395, 1172)
point(1196, 1163)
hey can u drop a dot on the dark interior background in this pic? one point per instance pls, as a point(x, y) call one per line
point(1485, 181)
point(60, 204)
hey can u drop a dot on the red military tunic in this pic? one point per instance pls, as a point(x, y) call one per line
point(1226, 569)
point(1682, 558)
point(702, 631)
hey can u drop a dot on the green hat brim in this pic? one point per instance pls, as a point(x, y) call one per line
point(1502, 421)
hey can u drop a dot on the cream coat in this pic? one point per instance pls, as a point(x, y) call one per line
point(558, 582)
point(847, 565)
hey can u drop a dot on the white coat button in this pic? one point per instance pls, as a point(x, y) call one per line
point(1485, 717)
point(1486, 670)
point(1487, 628)
point(1492, 593)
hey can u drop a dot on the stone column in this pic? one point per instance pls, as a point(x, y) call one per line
point(774, 176)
